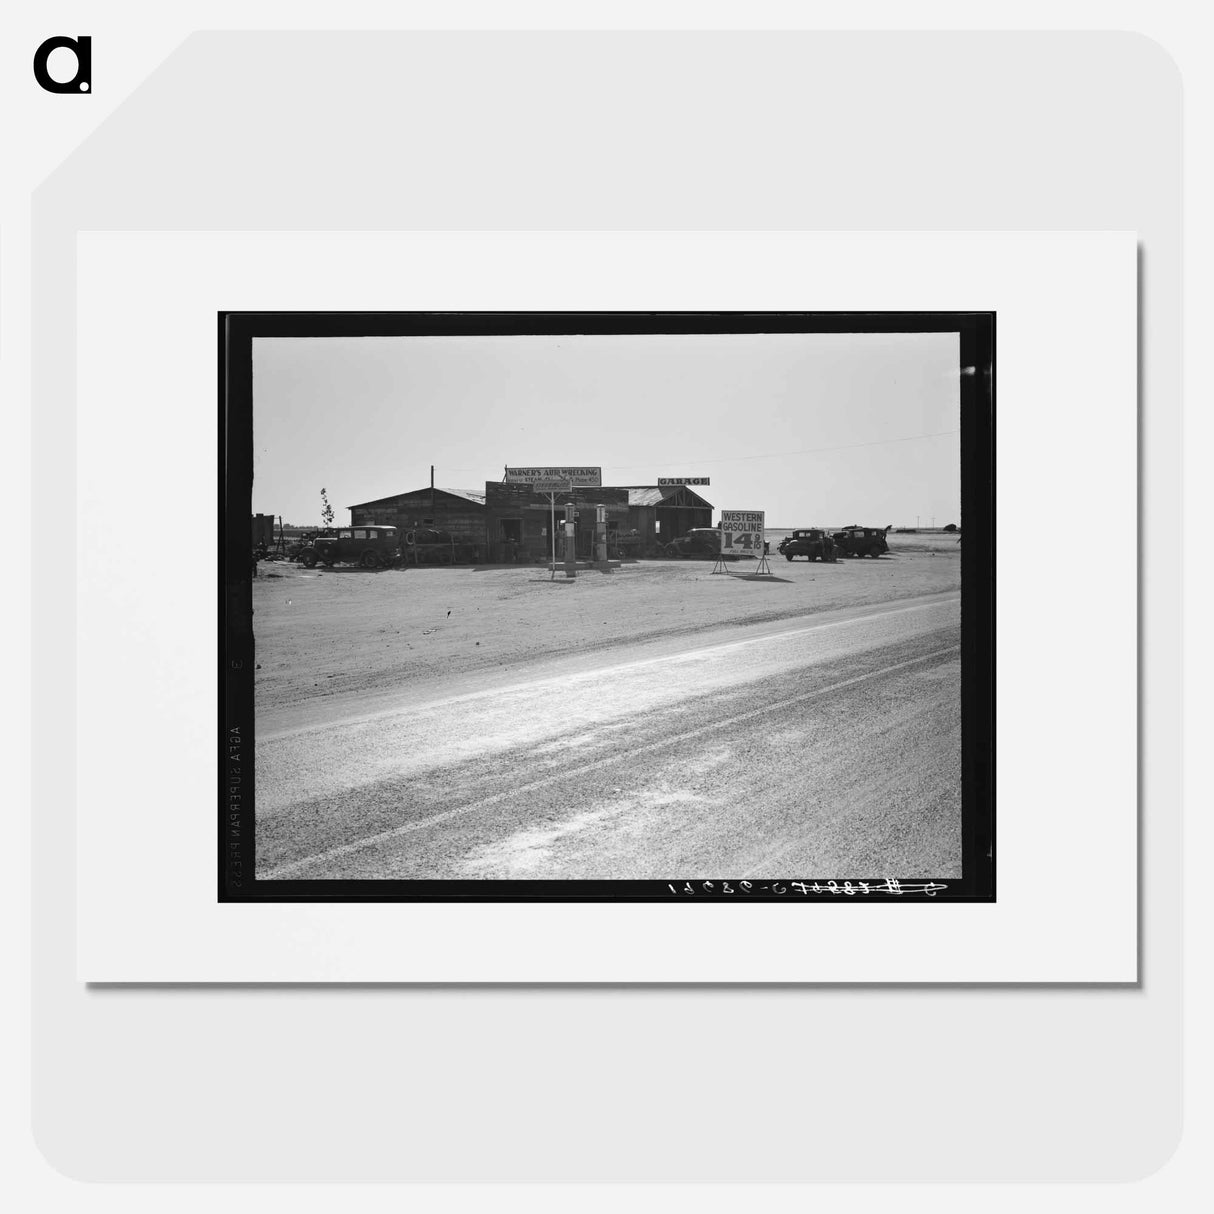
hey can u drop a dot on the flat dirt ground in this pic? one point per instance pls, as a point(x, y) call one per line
point(342, 632)
point(653, 720)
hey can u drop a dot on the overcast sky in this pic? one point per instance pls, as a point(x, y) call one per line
point(812, 428)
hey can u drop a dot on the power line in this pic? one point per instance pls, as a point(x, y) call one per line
point(880, 442)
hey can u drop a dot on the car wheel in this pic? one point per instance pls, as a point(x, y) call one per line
point(369, 560)
point(308, 560)
point(788, 556)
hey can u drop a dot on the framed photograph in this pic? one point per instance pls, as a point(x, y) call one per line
point(607, 606)
point(678, 624)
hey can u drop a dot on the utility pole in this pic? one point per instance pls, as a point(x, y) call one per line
point(432, 516)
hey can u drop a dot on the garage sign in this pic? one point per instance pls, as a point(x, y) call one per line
point(663, 481)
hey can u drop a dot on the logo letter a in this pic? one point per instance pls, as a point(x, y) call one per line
point(82, 48)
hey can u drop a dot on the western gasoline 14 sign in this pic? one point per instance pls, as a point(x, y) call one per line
point(742, 532)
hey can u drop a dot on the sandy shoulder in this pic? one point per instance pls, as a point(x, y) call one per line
point(320, 633)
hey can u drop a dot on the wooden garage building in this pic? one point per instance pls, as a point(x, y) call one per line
point(509, 522)
point(459, 511)
point(661, 513)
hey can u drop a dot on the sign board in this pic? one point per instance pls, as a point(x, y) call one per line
point(553, 486)
point(681, 480)
point(742, 532)
point(585, 478)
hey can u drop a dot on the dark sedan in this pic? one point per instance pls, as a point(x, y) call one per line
point(699, 541)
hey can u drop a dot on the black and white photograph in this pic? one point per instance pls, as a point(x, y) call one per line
point(633, 606)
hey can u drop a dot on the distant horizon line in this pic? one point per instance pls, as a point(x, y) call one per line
point(766, 526)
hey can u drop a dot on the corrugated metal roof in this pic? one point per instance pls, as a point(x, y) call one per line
point(470, 495)
point(655, 495)
point(647, 496)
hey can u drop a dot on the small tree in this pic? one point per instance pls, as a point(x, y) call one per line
point(326, 513)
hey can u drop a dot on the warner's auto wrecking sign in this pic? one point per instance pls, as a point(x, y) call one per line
point(579, 478)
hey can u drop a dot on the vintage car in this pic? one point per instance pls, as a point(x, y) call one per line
point(372, 546)
point(699, 541)
point(810, 542)
point(861, 541)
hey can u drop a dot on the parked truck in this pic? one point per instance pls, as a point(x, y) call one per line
point(810, 542)
point(861, 541)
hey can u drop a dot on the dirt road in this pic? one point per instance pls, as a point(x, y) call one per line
point(818, 745)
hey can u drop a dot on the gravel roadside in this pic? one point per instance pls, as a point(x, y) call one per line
point(341, 631)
